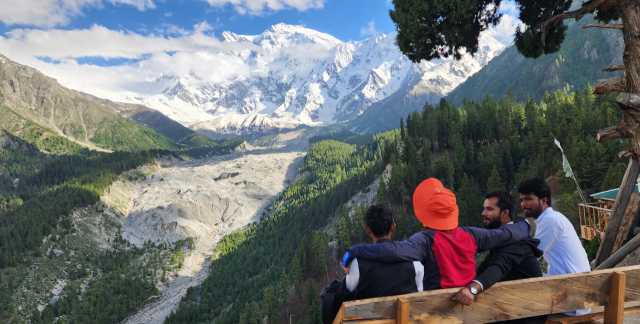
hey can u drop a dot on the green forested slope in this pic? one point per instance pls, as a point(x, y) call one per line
point(36, 98)
point(252, 261)
point(486, 145)
point(583, 55)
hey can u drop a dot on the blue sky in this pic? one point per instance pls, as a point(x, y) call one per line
point(345, 20)
point(113, 45)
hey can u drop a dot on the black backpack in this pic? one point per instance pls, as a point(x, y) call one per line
point(333, 296)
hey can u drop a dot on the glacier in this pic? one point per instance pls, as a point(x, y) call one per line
point(298, 76)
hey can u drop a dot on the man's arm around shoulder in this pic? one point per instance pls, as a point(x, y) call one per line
point(489, 239)
point(414, 248)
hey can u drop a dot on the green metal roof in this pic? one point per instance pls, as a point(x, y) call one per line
point(610, 194)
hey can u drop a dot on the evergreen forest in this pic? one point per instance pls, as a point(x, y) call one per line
point(273, 270)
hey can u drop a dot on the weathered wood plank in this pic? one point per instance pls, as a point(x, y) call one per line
point(614, 310)
point(627, 221)
point(619, 207)
point(403, 307)
point(617, 257)
point(505, 300)
point(588, 317)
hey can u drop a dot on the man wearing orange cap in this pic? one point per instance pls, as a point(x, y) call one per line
point(446, 250)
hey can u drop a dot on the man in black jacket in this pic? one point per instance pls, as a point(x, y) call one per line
point(511, 262)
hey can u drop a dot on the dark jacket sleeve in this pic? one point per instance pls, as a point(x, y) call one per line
point(502, 261)
point(490, 239)
point(414, 248)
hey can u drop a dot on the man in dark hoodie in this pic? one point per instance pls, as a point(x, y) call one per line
point(518, 260)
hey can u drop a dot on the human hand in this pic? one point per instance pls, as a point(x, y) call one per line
point(464, 296)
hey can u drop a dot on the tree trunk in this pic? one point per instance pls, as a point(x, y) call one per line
point(630, 14)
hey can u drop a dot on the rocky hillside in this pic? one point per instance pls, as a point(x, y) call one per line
point(583, 55)
point(291, 76)
point(29, 98)
point(155, 120)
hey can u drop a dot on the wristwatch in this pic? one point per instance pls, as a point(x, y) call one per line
point(473, 290)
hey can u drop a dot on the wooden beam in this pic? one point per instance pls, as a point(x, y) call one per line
point(614, 310)
point(628, 101)
point(617, 257)
point(340, 316)
point(609, 133)
point(628, 220)
point(614, 26)
point(504, 301)
point(616, 84)
point(402, 315)
point(619, 208)
point(613, 68)
point(588, 317)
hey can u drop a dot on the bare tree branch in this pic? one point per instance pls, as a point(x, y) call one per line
point(614, 26)
point(576, 14)
point(609, 85)
point(613, 68)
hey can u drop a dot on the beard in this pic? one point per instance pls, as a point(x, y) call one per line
point(535, 213)
point(494, 223)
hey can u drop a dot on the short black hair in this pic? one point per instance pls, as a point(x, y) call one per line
point(505, 201)
point(536, 186)
point(379, 219)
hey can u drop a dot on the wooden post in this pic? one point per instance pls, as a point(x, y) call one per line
point(614, 309)
point(619, 208)
point(403, 311)
point(613, 260)
point(340, 316)
point(627, 221)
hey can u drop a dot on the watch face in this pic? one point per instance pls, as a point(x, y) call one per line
point(473, 290)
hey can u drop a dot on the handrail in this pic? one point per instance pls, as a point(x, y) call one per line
point(505, 300)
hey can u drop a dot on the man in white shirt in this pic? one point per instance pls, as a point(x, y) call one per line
point(558, 239)
point(368, 278)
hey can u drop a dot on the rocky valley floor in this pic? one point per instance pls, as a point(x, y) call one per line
point(205, 199)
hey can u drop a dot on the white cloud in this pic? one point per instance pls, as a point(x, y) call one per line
point(50, 13)
point(370, 30)
point(153, 56)
point(505, 30)
point(259, 7)
point(168, 14)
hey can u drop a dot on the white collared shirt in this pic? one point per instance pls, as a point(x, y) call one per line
point(562, 248)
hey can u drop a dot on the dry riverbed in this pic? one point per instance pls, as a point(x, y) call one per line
point(205, 199)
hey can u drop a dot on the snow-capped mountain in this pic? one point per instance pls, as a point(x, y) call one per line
point(293, 75)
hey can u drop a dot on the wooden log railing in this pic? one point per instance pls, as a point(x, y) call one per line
point(593, 219)
point(505, 300)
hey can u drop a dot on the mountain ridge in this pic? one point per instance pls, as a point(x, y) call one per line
point(291, 75)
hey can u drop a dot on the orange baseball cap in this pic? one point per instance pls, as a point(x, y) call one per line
point(435, 205)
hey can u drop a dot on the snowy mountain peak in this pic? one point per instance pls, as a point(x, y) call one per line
point(291, 75)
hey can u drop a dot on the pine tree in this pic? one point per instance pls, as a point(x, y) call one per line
point(319, 252)
point(614, 176)
point(402, 135)
point(269, 304)
point(256, 314)
point(314, 311)
point(494, 182)
point(342, 235)
point(381, 194)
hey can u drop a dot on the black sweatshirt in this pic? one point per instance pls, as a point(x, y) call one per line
point(518, 260)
